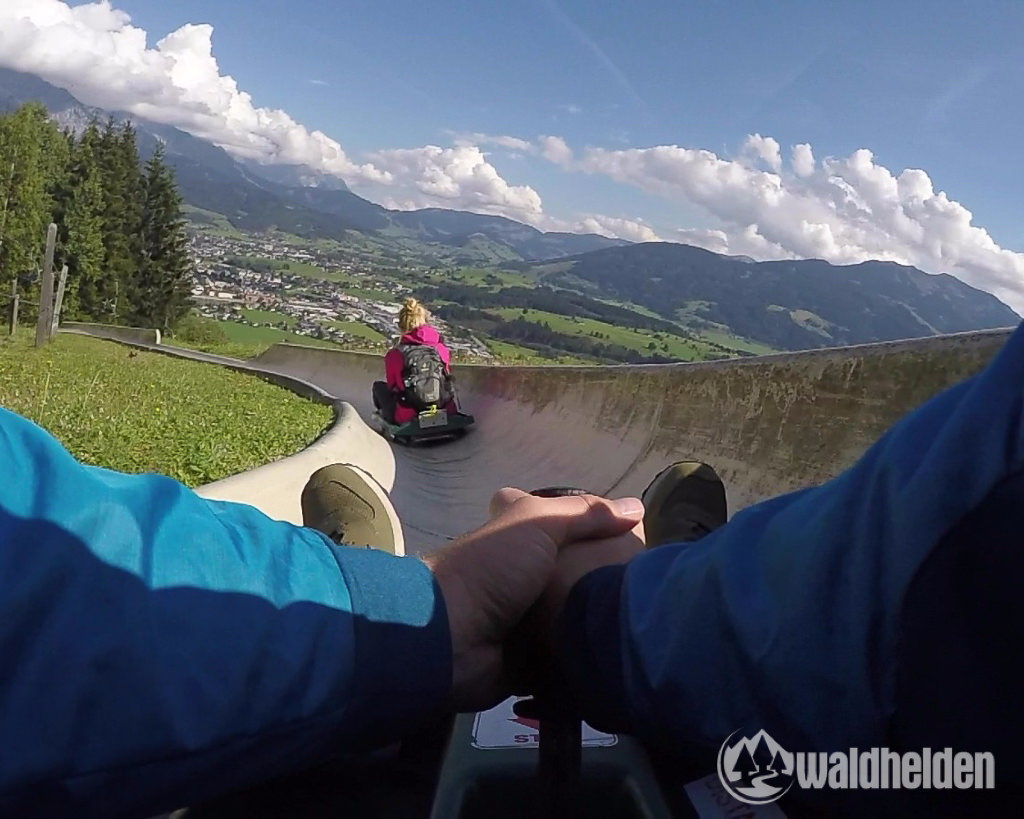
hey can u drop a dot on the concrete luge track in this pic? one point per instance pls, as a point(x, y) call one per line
point(769, 425)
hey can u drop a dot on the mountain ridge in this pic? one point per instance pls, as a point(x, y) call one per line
point(259, 198)
point(791, 304)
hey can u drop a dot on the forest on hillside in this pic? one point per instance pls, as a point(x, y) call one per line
point(121, 229)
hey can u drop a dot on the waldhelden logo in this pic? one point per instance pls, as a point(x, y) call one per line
point(756, 770)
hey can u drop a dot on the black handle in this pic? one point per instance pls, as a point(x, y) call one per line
point(560, 755)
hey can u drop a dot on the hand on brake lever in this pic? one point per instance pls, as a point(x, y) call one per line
point(530, 654)
point(492, 577)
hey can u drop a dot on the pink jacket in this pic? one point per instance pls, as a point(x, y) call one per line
point(394, 363)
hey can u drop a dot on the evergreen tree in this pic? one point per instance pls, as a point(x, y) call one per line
point(33, 158)
point(91, 289)
point(121, 179)
point(161, 294)
point(134, 186)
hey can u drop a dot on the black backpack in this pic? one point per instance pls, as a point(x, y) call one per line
point(425, 376)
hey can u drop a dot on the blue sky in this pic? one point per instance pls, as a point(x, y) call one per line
point(416, 94)
point(935, 85)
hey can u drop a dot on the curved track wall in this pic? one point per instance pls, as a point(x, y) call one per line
point(769, 424)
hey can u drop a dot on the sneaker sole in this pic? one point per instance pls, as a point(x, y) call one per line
point(386, 532)
point(656, 494)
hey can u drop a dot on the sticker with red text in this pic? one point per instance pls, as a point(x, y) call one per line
point(501, 728)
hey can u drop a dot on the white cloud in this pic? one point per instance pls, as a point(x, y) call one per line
point(460, 178)
point(844, 210)
point(803, 160)
point(95, 52)
point(555, 149)
point(766, 149)
point(745, 242)
point(633, 230)
point(510, 142)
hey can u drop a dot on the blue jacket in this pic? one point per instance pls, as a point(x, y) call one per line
point(883, 608)
point(155, 645)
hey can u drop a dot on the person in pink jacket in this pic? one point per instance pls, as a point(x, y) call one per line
point(391, 397)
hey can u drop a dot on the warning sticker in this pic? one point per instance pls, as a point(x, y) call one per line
point(501, 728)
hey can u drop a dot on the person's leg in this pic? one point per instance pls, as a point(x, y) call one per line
point(384, 401)
point(683, 503)
point(348, 505)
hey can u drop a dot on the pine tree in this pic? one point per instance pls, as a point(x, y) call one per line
point(161, 295)
point(118, 162)
point(91, 289)
point(134, 188)
point(33, 157)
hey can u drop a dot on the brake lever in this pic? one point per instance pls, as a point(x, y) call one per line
point(560, 729)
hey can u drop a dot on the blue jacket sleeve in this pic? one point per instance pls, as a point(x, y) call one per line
point(794, 616)
point(157, 648)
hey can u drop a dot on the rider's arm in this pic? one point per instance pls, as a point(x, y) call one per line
point(792, 617)
point(156, 647)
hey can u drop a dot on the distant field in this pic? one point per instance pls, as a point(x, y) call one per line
point(285, 266)
point(243, 341)
point(359, 286)
point(482, 277)
point(508, 353)
point(144, 412)
point(268, 316)
point(737, 343)
point(639, 340)
point(210, 222)
point(357, 329)
point(265, 336)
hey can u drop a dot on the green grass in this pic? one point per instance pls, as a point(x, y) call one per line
point(490, 279)
point(736, 342)
point(265, 336)
point(290, 266)
point(213, 223)
point(143, 412)
point(243, 341)
point(667, 345)
point(508, 353)
point(307, 269)
point(357, 329)
point(268, 317)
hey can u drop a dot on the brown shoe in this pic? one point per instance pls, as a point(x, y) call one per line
point(683, 503)
point(348, 505)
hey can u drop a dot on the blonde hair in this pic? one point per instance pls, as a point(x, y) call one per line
point(412, 315)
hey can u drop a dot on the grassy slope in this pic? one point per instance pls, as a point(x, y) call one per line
point(145, 412)
point(357, 329)
point(265, 336)
point(508, 353)
point(269, 316)
point(678, 348)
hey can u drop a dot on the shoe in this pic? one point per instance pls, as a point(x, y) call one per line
point(683, 503)
point(348, 505)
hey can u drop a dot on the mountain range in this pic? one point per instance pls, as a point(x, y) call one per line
point(783, 304)
point(789, 305)
point(300, 201)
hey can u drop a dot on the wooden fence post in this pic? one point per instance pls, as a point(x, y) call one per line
point(46, 290)
point(59, 301)
point(14, 306)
